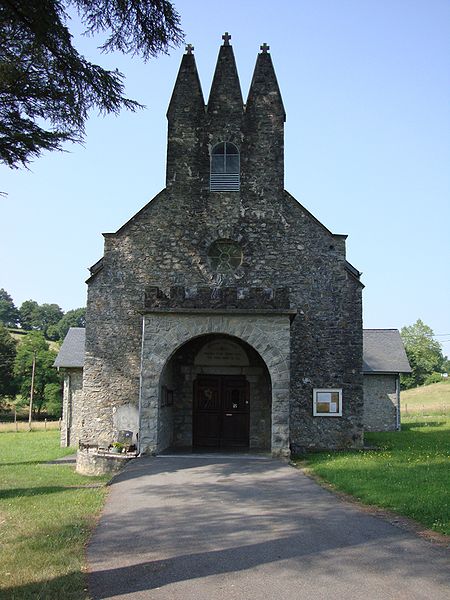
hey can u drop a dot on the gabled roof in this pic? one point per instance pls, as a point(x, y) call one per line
point(383, 352)
point(71, 353)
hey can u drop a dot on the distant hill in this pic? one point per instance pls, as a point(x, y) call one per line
point(19, 336)
point(430, 398)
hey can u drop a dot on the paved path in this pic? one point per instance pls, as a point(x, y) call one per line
point(185, 528)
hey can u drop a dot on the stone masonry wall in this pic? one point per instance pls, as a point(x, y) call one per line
point(166, 412)
point(380, 403)
point(283, 246)
point(72, 403)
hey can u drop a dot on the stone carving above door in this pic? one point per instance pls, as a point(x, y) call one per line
point(222, 353)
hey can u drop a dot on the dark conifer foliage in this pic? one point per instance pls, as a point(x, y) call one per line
point(47, 88)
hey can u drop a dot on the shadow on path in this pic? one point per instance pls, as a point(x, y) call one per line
point(178, 521)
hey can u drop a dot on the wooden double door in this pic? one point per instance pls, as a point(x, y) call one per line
point(221, 412)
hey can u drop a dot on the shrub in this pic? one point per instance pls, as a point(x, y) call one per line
point(433, 378)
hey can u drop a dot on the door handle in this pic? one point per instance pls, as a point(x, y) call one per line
point(229, 414)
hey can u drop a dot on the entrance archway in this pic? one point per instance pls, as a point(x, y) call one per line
point(215, 392)
point(167, 333)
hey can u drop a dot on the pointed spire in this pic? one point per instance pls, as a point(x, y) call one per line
point(187, 97)
point(263, 124)
point(186, 115)
point(264, 94)
point(225, 96)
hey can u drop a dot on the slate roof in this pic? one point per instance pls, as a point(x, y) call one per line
point(383, 352)
point(71, 353)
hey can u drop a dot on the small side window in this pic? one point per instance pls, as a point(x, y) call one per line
point(225, 168)
point(327, 403)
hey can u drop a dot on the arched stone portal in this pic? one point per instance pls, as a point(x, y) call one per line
point(215, 392)
point(174, 346)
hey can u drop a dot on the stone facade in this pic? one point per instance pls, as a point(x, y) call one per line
point(294, 300)
point(381, 402)
point(72, 403)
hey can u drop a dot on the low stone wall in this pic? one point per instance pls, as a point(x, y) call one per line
point(90, 462)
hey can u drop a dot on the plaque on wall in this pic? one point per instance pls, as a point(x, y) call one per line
point(222, 353)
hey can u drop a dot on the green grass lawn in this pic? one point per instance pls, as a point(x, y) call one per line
point(409, 474)
point(46, 515)
point(427, 399)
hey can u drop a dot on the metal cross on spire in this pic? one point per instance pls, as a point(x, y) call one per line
point(265, 48)
point(189, 49)
point(226, 38)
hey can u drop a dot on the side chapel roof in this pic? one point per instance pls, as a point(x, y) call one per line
point(383, 352)
point(71, 353)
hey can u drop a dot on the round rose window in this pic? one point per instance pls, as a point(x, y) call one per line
point(225, 256)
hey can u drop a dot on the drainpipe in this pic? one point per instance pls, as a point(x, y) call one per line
point(68, 424)
point(138, 433)
point(397, 391)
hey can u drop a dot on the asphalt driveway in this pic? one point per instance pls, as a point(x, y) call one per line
point(210, 528)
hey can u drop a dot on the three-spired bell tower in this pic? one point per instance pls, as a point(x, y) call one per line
point(226, 145)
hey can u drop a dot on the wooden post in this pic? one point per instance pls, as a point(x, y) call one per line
point(397, 392)
point(15, 419)
point(32, 391)
point(45, 424)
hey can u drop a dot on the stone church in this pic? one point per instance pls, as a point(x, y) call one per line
point(223, 315)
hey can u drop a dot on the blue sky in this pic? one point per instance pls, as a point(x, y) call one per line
point(365, 85)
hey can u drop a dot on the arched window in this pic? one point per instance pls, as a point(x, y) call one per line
point(225, 168)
